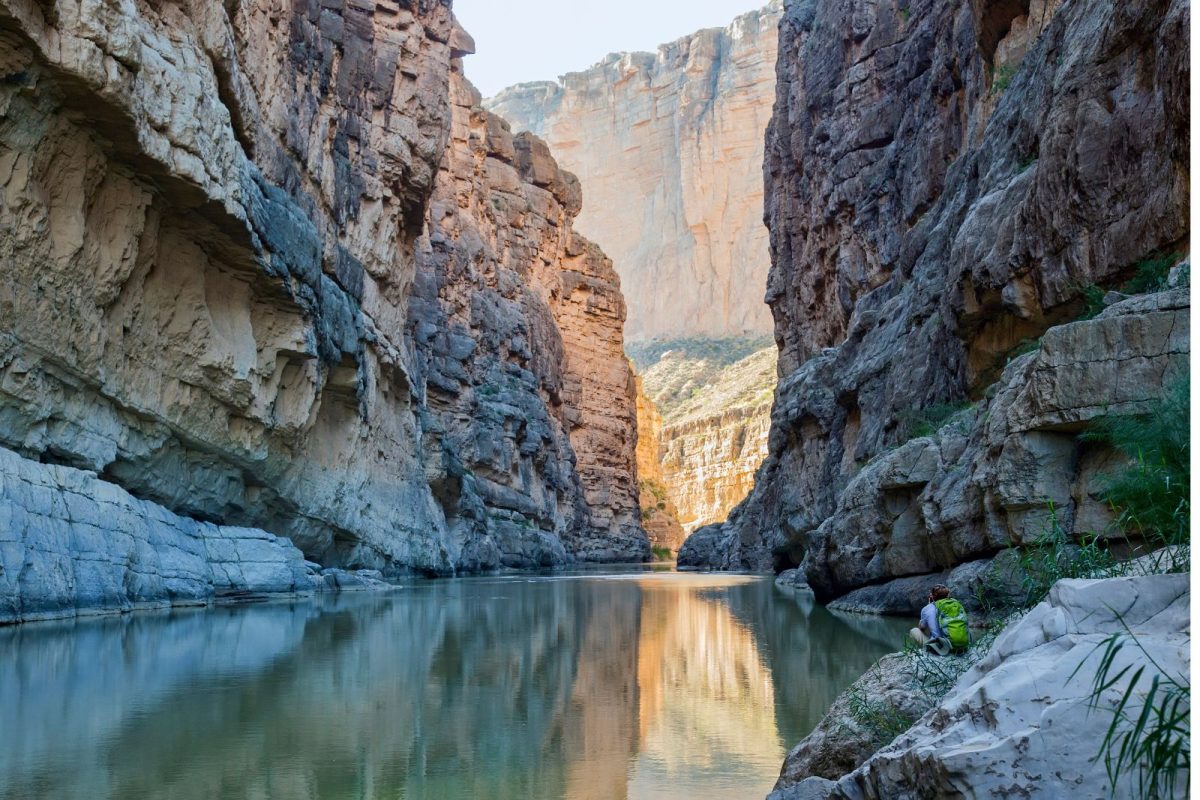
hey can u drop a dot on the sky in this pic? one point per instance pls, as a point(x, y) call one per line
point(537, 40)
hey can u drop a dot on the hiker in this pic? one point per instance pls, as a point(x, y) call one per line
point(943, 625)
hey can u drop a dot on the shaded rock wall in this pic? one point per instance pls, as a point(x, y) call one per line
point(517, 323)
point(941, 185)
point(668, 146)
point(206, 231)
point(210, 219)
point(70, 542)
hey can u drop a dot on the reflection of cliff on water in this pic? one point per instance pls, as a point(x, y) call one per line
point(664, 686)
point(812, 661)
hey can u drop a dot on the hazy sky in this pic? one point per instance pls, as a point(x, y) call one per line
point(534, 40)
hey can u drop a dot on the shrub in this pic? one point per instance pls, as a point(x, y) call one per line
point(1054, 558)
point(1024, 347)
point(1001, 78)
point(661, 553)
point(1151, 496)
point(1093, 301)
point(927, 421)
point(882, 721)
point(1150, 274)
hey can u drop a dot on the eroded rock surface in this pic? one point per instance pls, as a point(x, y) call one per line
point(517, 321)
point(70, 543)
point(942, 183)
point(999, 474)
point(715, 403)
point(212, 220)
point(669, 146)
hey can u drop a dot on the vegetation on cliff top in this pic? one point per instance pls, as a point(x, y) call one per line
point(691, 379)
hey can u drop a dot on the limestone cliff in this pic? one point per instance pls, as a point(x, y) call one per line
point(713, 433)
point(211, 223)
point(517, 321)
point(668, 146)
point(942, 183)
point(660, 517)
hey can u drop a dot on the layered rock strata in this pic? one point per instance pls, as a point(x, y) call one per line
point(668, 146)
point(942, 184)
point(1003, 473)
point(207, 261)
point(998, 732)
point(70, 542)
point(517, 321)
point(209, 227)
point(660, 517)
point(714, 442)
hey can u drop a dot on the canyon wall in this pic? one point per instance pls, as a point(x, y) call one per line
point(668, 146)
point(212, 218)
point(517, 324)
point(943, 183)
point(660, 517)
point(713, 432)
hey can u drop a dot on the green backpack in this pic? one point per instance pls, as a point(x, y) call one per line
point(952, 618)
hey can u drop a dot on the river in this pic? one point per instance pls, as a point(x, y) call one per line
point(597, 685)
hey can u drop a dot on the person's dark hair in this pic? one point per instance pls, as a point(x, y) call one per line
point(940, 592)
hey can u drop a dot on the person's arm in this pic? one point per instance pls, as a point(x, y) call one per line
point(929, 620)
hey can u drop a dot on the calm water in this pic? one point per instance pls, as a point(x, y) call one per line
point(601, 685)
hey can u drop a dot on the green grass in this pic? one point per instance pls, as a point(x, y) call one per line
point(881, 721)
point(662, 553)
point(934, 676)
point(1093, 301)
point(1002, 77)
point(1150, 274)
point(1055, 557)
point(917, 422)
point(1152, 495)
point(1024, 347)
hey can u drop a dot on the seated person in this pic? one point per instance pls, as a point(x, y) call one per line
point(943, 625)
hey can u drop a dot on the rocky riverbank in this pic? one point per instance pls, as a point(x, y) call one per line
point(1026, 719)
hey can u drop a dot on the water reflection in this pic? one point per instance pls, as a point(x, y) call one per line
point(598, 686)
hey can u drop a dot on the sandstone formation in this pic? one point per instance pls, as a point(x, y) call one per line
point(715, 440)
point(660, 517)
point(668, 146)
point(212, 219)
point(711, 435)
point(941, 185)
point(998, 731)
